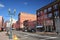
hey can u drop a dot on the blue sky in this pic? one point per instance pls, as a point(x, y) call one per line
point(29, 6)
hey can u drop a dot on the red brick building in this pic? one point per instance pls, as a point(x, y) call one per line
point(1, 22)
point(25, 16)
point(46, 15)
point(31, 23)
point(16, 25)
point(13, 25)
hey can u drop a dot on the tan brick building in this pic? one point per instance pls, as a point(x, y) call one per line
point(25, 16)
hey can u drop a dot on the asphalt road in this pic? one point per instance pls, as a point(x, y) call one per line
point(33, 36)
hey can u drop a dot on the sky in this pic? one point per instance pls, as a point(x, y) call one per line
point(28, 6)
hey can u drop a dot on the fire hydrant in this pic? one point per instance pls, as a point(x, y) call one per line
point(15, 37)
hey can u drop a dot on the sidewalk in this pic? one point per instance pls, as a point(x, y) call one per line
point(3, 36)
point(47, 33)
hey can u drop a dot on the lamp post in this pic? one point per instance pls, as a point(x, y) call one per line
point(57, 19)
point(11, 15)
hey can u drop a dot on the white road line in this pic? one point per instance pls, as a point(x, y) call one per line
point(42, 39)
point(45, 37)
point(51, 37)
point(26, 35)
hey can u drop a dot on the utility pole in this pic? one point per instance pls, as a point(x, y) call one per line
point(11, 15)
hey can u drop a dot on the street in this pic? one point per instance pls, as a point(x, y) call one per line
point(29, 19)
point(32, 36)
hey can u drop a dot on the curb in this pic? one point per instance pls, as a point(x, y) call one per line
point(46, 33)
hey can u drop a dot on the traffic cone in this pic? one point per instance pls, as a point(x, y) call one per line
point(15, 37)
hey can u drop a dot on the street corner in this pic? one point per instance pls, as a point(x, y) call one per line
point(2, 34)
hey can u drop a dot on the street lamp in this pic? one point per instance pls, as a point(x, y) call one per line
point(11, 15)
point(14, 11)
point(57, 23)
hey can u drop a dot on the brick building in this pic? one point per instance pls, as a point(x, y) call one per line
point(16, 25)
point(5, 23)
point(25, 16)
point(1, 22)
point(46, 15)
point(29, 26)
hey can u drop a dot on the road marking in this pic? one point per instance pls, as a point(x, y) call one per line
point(51, 37)
point(42, 39)
point(26, 35)
point(43, 36)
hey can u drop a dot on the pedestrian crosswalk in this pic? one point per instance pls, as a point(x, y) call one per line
point(25, 35)
point(42, 39)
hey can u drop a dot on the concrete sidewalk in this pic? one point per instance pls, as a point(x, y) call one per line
point(3, 36)
point(47, 33)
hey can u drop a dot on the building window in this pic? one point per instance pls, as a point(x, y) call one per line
point(45, 11)
point(56, 13)
point(55, 6)
point(45, 16)
point(38, 18)
point(59, 3)
point(42, 12)
point(49, 9)
point(50, 15)
point(38, 14)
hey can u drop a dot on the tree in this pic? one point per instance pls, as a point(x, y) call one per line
point(25, 23)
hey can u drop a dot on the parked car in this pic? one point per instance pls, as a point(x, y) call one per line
point(13, 28)
point(40, 28)
point(25, 29)
point(31, 29)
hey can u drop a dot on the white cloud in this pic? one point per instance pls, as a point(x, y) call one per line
point(1, 5)
point(25, 3)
